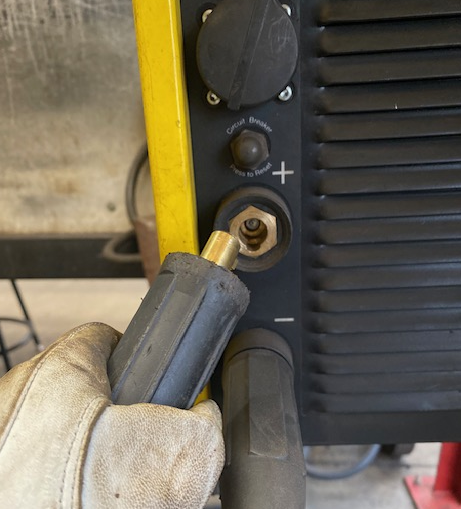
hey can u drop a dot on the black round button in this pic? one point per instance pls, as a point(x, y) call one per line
point(249, 150)
point(247, 51)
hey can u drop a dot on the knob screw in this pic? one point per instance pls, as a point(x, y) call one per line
point(206, 14)
point(212, 98)
point(286, 94)
point(287, 9)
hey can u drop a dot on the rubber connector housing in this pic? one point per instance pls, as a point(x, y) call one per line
point(264, 466)
point(177, 336)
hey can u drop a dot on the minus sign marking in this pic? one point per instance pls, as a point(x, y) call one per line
point(290, 319)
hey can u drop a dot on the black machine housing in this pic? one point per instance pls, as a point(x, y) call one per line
point(366, 158)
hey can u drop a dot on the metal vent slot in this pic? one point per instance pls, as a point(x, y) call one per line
point(372, 68)
point(404, 179)
point(344, 11)
point(433, 33)
point(388, 206)
point(394, 276)
point(383, 269)
point(389, 230)
point(443, 149)
point(375, 126)
point(389, 96)
point(416, 320)
point(388, 300)
point(427, 362)
point(401, 402)
point(371, 255)
point(386, 342)
point(386, 383)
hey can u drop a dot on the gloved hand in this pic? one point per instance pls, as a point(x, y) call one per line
point(64, 445)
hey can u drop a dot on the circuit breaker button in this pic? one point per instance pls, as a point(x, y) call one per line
point(249, 150)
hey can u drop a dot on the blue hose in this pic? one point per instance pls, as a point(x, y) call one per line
point(333, 475)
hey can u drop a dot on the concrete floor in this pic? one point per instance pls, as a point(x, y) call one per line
point(58, 305)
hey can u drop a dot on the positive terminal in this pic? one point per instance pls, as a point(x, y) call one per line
point(286, 94)
point(256, 230)
point(212, 98)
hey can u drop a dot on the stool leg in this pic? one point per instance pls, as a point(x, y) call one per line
point(26, 315)
point(443, 491)
point(4, 353)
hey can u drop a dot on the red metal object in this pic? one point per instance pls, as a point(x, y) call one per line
point(443, 491)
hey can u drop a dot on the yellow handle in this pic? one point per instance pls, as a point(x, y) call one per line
point(161, 66)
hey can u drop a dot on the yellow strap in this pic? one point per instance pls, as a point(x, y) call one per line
point(161, 66)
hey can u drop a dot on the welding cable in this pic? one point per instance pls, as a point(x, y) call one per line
point(140, 160)
point(332, 475)
point(111, 250)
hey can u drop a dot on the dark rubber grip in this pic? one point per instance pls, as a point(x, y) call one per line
point(177, 336)
point(264, 457)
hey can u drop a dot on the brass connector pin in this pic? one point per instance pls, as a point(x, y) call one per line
point(222, 248)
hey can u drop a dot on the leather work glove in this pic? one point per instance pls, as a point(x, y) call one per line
point(63, 444)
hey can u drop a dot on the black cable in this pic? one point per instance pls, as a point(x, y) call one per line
point(111, 248)
point(142, 157)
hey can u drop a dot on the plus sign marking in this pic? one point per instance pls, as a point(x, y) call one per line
point(283, 172)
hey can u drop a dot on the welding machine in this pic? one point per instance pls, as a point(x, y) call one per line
point(325, 136)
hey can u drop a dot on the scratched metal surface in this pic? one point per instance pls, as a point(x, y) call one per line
point(71, 115)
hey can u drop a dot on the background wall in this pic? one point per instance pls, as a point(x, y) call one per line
point(71, 117)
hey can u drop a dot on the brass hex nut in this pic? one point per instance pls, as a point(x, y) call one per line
point(258, 239)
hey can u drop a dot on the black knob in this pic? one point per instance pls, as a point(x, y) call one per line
point(249, 149)
point(247, 51)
